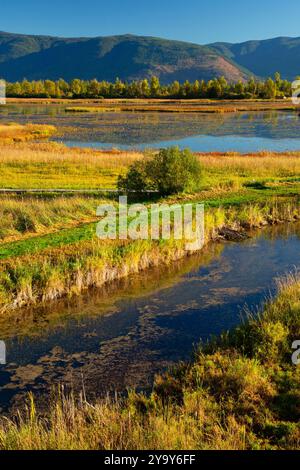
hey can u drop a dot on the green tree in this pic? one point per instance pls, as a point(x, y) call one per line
point(75, 87)
point(145, 88)
point(170, 171)
point(252, 87)
point(118, 88)
point(174, 90)
point(224, 85)
point(155, 87)
point(269, 89)
point(50, 88)
point(26, 87)
point(63, 86)
point(239, 88)
point(214, 89)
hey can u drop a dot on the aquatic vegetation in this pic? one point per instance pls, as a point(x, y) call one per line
point(91, 109)
point(240, 392)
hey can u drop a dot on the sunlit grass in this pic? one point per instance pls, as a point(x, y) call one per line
point(69, 261)
point(24, 216)
point(21, 133)
point(49, 248)
point(50, 165)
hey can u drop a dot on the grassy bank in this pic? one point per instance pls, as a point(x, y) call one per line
point(50, 165)
point(48, 243)
point(240, 392)
point(68, 262)
point(162, 104)
point(23, 217)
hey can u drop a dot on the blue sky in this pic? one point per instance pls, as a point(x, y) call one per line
point(191, 20)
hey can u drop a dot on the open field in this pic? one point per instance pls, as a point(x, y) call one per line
point(240, 392)
point(51, 165)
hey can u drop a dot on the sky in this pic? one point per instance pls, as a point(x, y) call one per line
point(197, 21)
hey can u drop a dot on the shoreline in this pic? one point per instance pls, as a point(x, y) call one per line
point(160, 105)
point(240, 391)
point(137, 257)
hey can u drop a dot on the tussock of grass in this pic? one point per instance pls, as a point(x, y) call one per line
point(52, 165)
point(240, 392)
point(24, 216)
point(22, 133)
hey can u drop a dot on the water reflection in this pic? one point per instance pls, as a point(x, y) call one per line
point(122, 336)
point(244, 132)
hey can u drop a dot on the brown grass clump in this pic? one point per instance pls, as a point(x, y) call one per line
point(22, 133)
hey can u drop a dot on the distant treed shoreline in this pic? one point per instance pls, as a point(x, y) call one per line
point(218, 88)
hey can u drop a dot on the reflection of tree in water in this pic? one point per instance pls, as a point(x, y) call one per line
point(137, 128)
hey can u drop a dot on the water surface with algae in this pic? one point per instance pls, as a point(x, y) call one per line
point(122, 335)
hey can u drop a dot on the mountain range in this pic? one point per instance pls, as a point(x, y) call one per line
point(130, 57)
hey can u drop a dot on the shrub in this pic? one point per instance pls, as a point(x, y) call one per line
point(170, 171)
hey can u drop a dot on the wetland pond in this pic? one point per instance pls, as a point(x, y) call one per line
point(242, 132)
point(120, 336)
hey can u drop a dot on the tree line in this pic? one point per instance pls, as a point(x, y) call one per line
point(218, 88)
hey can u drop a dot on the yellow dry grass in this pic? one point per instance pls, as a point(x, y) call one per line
point(22, 133)
point(261, 164)
point(52, 165)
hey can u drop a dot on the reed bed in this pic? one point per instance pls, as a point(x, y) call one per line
point(179, 108)
point(263, 164)
point(53, 165)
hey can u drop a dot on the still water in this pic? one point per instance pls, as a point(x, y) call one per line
point(122, 335)
point(242, 132)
